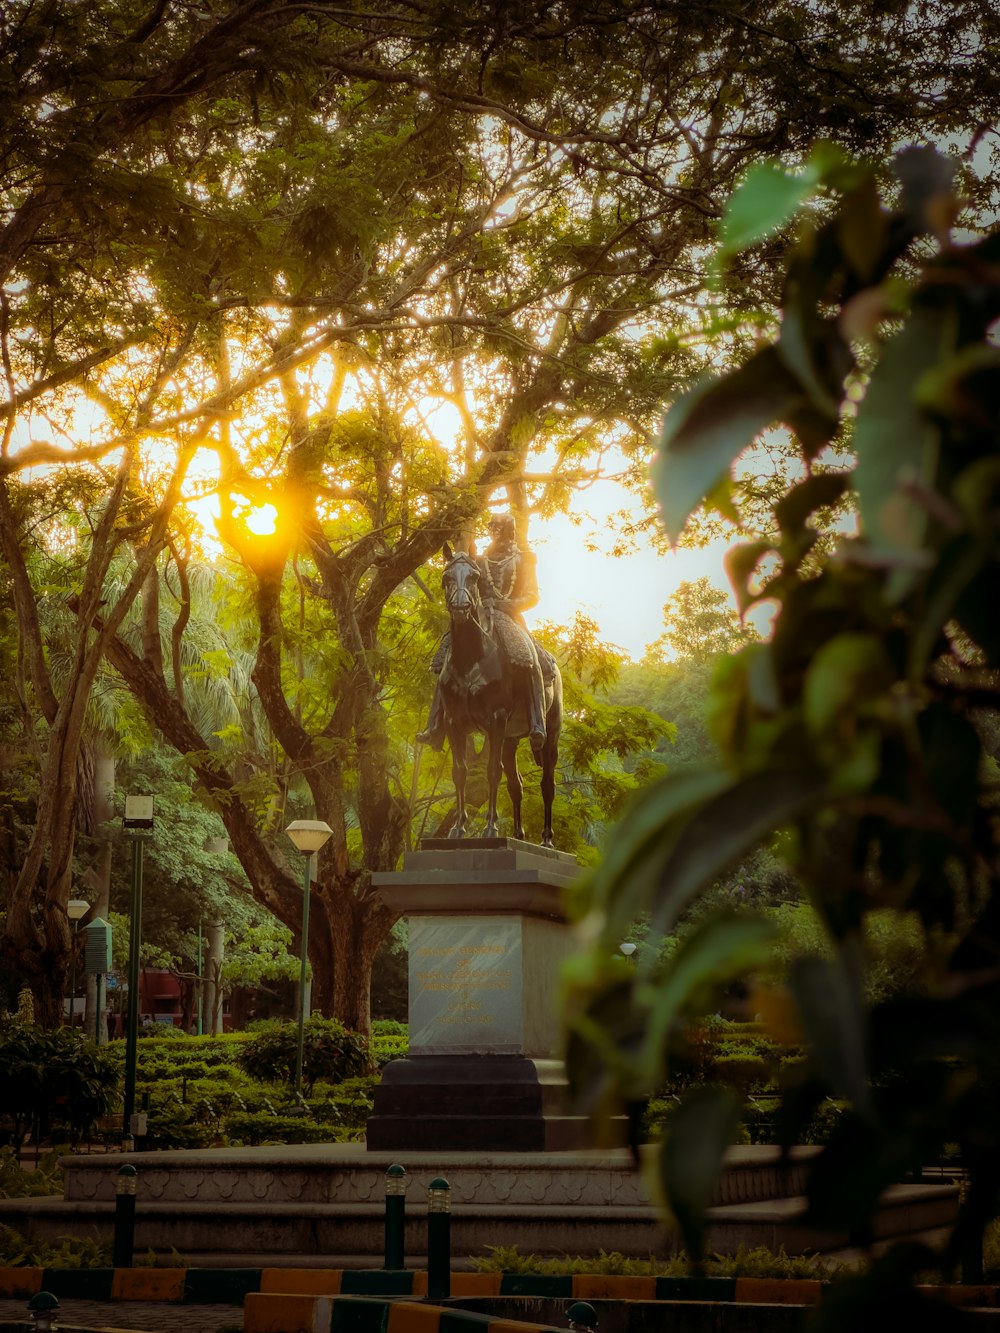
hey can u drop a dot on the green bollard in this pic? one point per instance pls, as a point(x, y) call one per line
point(43, 1308)
point(438, 1239)
point(124, 1242)
point(395, 1211)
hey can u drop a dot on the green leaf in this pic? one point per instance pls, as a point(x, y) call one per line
point(718, 950)
point(897, 443)
point(843, 676)
point(740, 563)
point(723, 829)
point(707, 429)
point(765, 200)
point(862, 229)
point(697, 1136)
point(831, 1013)
point(622, 883)
point(818, 491)
point(761, 678)
point(605, 1033)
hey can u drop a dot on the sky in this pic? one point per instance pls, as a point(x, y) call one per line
point(624, 594)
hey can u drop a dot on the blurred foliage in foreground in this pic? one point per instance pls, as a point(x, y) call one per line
point(864, 731)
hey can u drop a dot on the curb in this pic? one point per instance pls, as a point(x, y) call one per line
point(230, 1286)
point(266, 1312)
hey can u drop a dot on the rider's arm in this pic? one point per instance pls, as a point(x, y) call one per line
point(525, 592)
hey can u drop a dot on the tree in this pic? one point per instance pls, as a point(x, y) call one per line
point(700, 625)
point(223, 218)
point(673, 678)
point(858, 726)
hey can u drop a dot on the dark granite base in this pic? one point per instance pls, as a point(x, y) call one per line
point(473, 1103)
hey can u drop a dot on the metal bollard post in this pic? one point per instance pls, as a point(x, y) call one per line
point(124, 1242)
point(395, 1211)
point(43, 1308)
point(438, 1239)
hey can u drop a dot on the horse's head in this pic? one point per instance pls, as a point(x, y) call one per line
point(461, 584)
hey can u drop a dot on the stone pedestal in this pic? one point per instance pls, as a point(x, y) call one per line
point(488, 935)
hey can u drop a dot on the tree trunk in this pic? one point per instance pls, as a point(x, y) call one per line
point(345, 933)
point(215, 956)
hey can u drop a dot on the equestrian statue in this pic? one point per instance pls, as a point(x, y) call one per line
point(492, 677)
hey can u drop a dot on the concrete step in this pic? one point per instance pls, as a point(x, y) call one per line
point(204, 1232)
point(903, 1211)
point(347, 1173)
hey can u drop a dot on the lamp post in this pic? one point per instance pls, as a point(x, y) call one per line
point(214, 847)
point(308, 835)
point(138, 824)
point(201, 987)
point(76, 910)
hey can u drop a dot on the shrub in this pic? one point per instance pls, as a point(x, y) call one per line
point(389, 1027)
point(56, 1080)
point(330, 1051)
point(16, 1183)
point(742, 1071)
point(256, 1128)
point(16, 1251)
point(174, 1125)
point(757, 1262)
point(387, 1048)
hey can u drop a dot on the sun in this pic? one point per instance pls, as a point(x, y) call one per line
point(262, 520)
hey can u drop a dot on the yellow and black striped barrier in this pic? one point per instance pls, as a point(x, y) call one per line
point(394, 1301)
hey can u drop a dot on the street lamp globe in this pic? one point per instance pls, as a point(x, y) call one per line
point(309, 835)
point(77, 908)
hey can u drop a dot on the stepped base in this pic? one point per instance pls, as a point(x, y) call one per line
point(324, 1206)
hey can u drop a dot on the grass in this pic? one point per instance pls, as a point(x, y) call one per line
point(745, 1262)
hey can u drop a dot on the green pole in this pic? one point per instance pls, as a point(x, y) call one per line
point(124, 1240)
point(438, 1239)
point(302, 978)
point(395, 1214)
point(201, 985)
point(132, 1032)
point(72, 983)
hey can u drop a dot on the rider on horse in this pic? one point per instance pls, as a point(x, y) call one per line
point(509, 587)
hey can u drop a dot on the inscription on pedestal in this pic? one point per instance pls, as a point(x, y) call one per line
point(466, 991)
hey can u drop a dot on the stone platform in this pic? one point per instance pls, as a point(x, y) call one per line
point(323, 1206)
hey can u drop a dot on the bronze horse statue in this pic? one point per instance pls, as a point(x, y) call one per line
point(482, 692)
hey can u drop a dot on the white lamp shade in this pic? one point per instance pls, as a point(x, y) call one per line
point(628, 948)
point(77, 908)
point(309, 835)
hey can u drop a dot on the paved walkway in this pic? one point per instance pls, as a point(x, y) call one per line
point(151, 1316)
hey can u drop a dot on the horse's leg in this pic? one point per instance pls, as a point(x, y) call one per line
point(459, 771)
point(514, 784)
point(494, 755)
point(550, 754)
point(548, 792)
